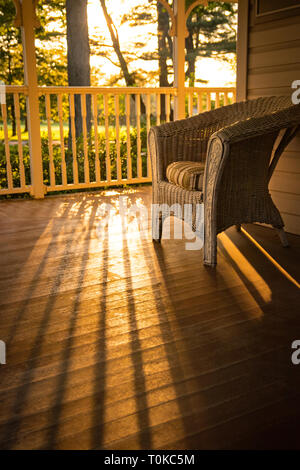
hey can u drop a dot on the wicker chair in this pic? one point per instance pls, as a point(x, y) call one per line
point(240, 145)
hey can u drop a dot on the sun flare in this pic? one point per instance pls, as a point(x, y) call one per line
point(217, 73)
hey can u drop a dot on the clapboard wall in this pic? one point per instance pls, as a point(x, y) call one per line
point(273, 63)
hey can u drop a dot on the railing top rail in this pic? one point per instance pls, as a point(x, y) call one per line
point(210, 89)
point(16, 89)
point(106, 90)
point(89, 172)
point(114, 90)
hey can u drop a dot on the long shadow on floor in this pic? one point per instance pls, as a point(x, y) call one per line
point(144, 434)
point(54, 421)
point(100, 369)
point(10, 433)
point(268, 328)
point(168, 340)
point(280, 326)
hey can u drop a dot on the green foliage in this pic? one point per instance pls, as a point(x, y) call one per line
point(14, 158)
point(50, 49)
point(211, 33)
point(216, 25)
point(11, 60)
point(14, 161)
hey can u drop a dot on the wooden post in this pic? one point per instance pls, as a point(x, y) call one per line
point(242, 50)
point(179, 58)
point(33, 114)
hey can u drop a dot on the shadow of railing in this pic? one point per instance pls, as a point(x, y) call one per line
point(56, 411)
point(100, 368)
point(10, 433)
point(143, 418)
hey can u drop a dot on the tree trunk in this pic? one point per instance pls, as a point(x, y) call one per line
point(13, 118)
point(128, 77)
point(191, 59)
point(163, 52)
point(25, 124)
point(129, 80)
point(78, 57)
point(10, 98)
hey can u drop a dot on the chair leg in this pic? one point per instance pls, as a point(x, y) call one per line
point(157, 226)
point(210, 251)
point(282, 236)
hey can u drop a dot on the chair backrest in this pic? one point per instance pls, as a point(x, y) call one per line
point(227, 115)
point(242, 110)
point(187, 139)
point(260, 107)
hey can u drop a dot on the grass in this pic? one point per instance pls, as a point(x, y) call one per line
point(55, 132)
point(116, 149)
point(44, 131)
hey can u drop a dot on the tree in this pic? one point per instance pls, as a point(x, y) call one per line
point(50, 48)
point(154, 14)
point(164, 42)
point(129, 78)
point(165, 48)
point(78, 56)
point(11, 60)
point(211, 33)
point(51, 58)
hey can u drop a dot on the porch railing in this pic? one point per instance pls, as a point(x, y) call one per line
point(112, 146)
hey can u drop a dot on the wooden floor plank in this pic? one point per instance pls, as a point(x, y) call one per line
point(117, 342)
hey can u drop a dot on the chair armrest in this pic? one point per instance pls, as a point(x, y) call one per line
point(238, 157)
point(236, 174)
point(258, 126)
point(186, 139)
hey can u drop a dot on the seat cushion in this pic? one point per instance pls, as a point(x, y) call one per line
point(187, 175)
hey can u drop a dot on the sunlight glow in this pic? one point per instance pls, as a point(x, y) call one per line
point(270, 258)
point(216, 72)
point(247, 269)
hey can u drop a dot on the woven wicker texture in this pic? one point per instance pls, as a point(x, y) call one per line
point(236, 143)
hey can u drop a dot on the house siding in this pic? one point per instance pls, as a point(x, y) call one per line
point(273, 63)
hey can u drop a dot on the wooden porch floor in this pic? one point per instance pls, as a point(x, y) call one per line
point(117, 343)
